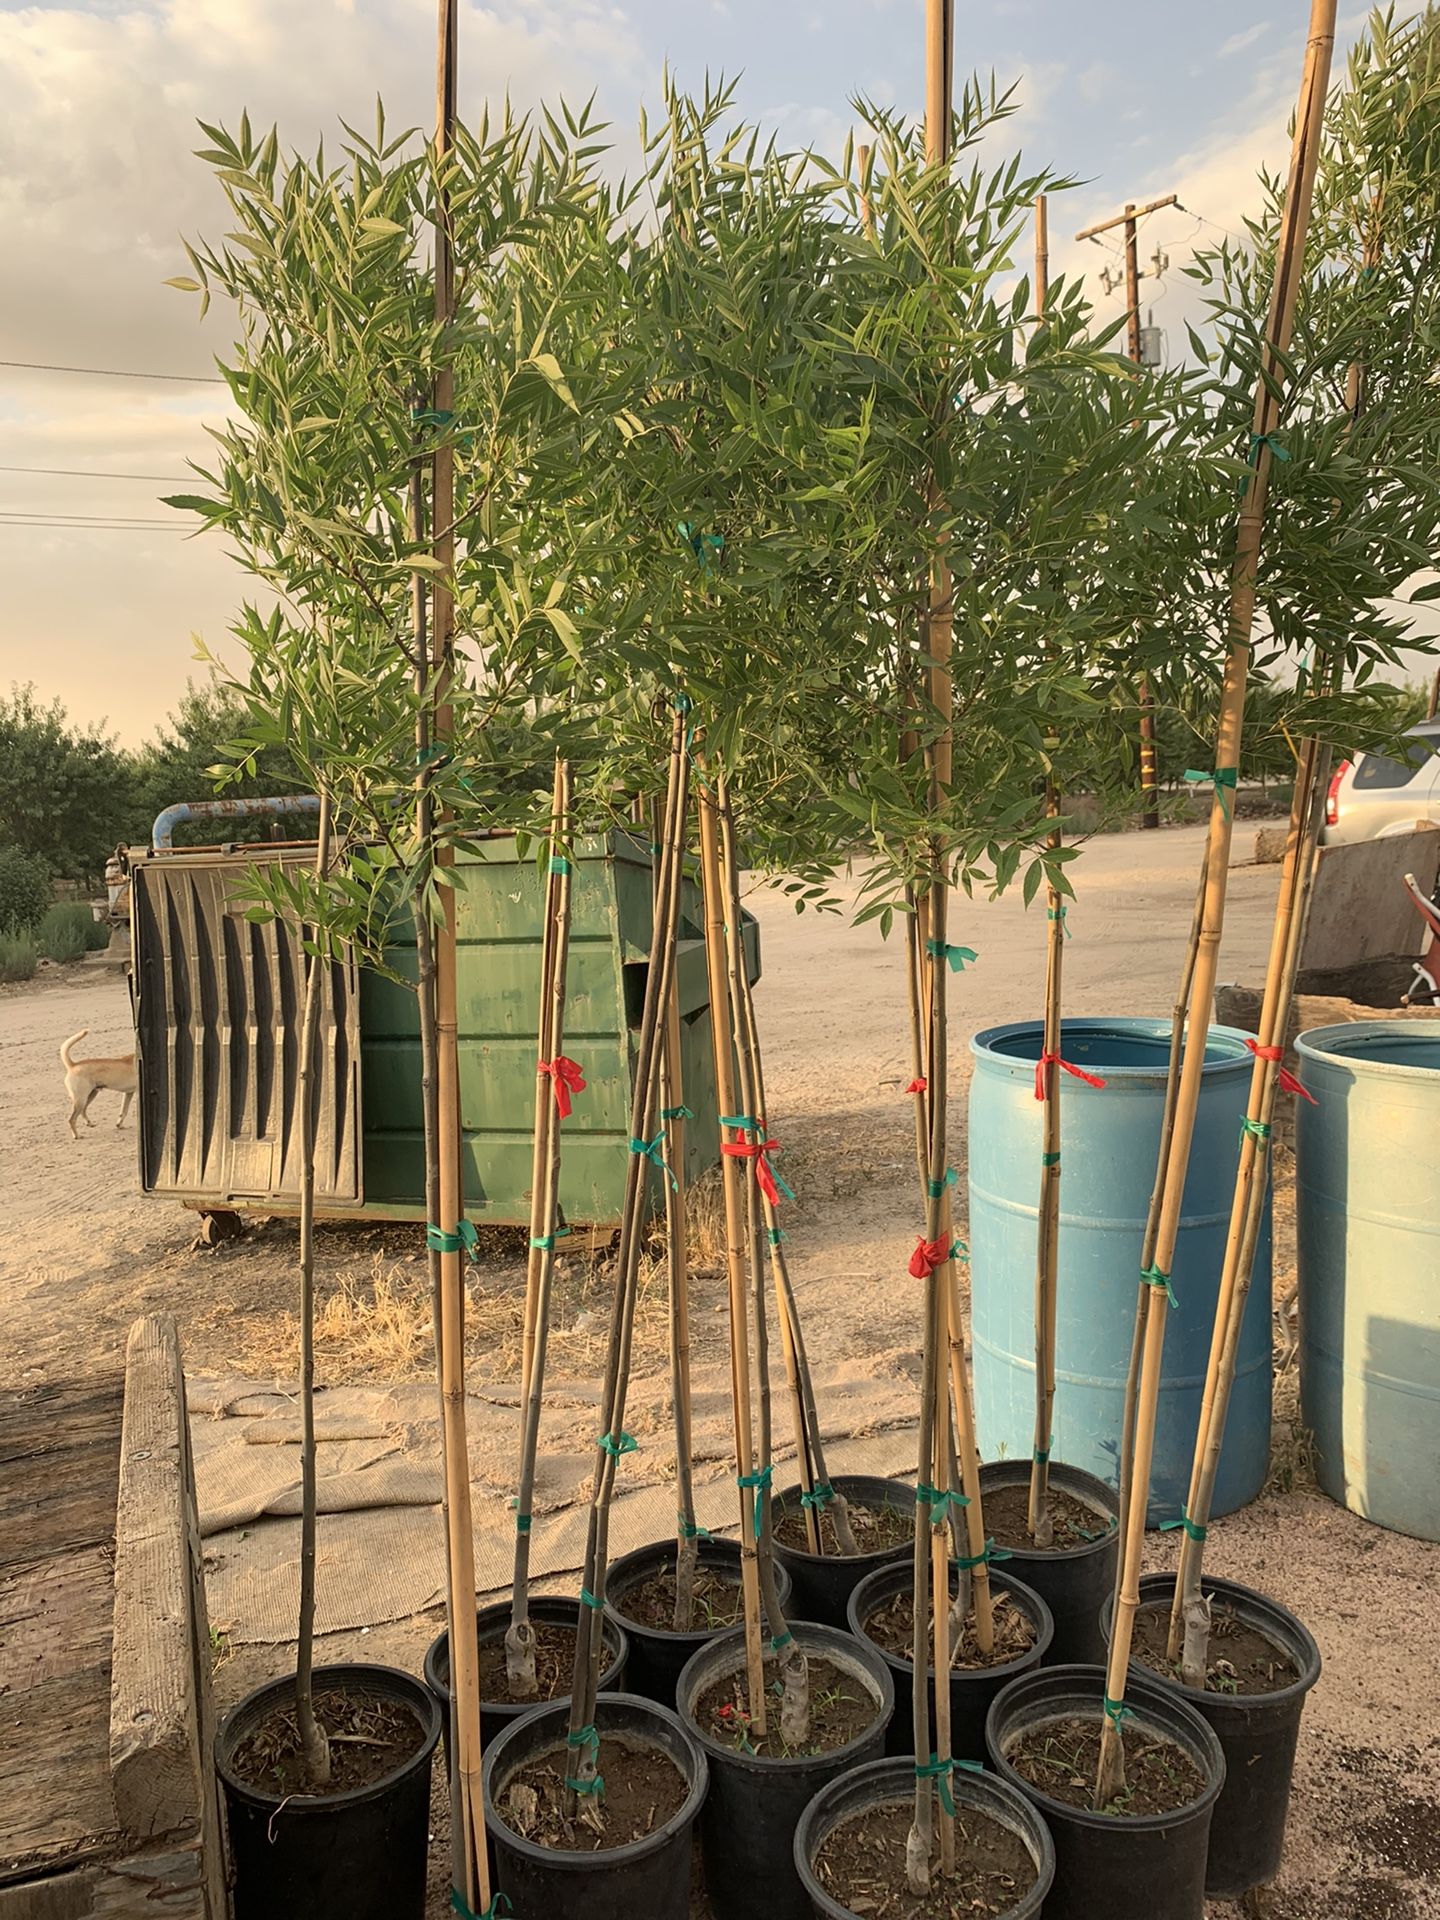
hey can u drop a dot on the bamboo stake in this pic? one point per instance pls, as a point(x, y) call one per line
point(1190, 1612)
point(585, 1779)
point(544, 1220)
point(794, 1673)
point(1288, 267)
point(464, 1654)
point(1042, 1526)
point(314, 1745)
point(732, 1179)
point(809, 1441)
point(548, 1046)
point(673, 1114)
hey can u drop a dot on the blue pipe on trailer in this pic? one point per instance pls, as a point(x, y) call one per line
point(163, 831)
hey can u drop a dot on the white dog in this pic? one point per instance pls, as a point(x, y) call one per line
point(85, 1078)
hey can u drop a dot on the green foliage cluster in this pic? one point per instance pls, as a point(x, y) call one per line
point(69, 930)
point(713, 428)
point(19, 955)
point(24, 889)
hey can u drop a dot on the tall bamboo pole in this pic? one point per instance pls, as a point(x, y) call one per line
point(1041, 1522)
point(464, 1653)
point(1190, 1614)
point(732, 1175)
point(1289, 261)
point(544, 1218)
point(314, 1745)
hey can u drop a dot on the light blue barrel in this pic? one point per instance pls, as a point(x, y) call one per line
point(1367, 1217)
point(1109, 1137)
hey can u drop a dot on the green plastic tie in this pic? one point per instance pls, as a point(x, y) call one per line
point(958, 957)
point(988, 1553)
point(545, 1242)
point(939, 1771)
point(1041, 1455)
point(588, 1599)
point(1116, 1711)
point(522, 1520)
point(939, 1500)
point(651, 1150)
point(1223, 779)
point(431, 416)
point(1049, 1159)
point(819, 1497)
point(706, 547)
point(688, 1529)
point(774, 1235)
point(676, 1113)
point(627, 1443)
point(597, 1785)
point(683, 702)
point(1153, 1277)
point(781, 1640)
point(1252, 458)
point(759, 1481)
point(741, 1122)
point(1258, 1130)
point(1192, 1530)
point(584, 1737)
point(935, 1188)
point(464, 1236)
point(967, 1766)
point(1062, 914)
point(559, 864)
point(498, 1904)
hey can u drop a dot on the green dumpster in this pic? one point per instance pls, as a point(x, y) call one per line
point(217, 1006)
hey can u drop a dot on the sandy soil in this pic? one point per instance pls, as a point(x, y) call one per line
point(82, 1253)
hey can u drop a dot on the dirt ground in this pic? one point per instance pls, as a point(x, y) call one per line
point(82, 1253)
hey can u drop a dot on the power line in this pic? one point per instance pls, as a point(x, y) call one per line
point(100, 473)
point(118, 373)
point(80, 523)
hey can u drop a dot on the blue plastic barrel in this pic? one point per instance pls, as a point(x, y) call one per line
point(1367, 1216)
point(1110, 1137)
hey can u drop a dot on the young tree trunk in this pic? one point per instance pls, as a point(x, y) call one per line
point(544, 1221)
point(314, 1746)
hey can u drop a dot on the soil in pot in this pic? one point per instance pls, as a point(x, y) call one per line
point(1007, 1520)
point(861, 1864)
point(370, 1737)
point(1242, 1660)
point(877, 1529)
point(892, 1626)
point(554, 1665)
point(840, 1711)
point(644, 1789)
point(1060, 1757)
point(719, 1600)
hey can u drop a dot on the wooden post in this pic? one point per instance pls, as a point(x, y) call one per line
point(1269, 385)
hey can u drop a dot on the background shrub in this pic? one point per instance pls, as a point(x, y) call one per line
point(64, 933)
point(24, 888)
point(17, 956)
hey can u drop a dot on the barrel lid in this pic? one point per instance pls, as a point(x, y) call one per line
point(1404, 1050)
point(1130, 1049)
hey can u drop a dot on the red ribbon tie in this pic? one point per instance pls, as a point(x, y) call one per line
point(758, 1151)
point(1285, 1079)
point(566, 1078)
point(1054, 1060)
point(928, 1255)
point(918, 1086)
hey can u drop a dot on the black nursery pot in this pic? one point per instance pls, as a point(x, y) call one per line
point(650, 1877)
point(824, 1581)
point(1072, 1581)
point(362, 1852)
point(549, 1610)
point(880, 1782)
point(971, 1688)
point(1126, 1867)
point(1257, 1734)
point(755, 1802)
point(656, 1655)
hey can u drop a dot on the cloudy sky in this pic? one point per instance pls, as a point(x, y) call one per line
point(97, 184)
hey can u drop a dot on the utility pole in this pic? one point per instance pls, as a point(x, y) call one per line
point(1130, 220)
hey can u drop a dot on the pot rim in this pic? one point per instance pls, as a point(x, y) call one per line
point(860, 1651)
point(639, 1628)
point(901, 1770)
point(1324, 1046)
point(1139, 1694)
point(1201, 1697)
point(1056, 1555)
point(568, 1859)
point(415, 1694)
point(611, 1631)
point(876, 1554)
point(1033, 1604)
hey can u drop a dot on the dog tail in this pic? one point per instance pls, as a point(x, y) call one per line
point(66, 1045)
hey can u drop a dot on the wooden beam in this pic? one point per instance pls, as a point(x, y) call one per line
point(1130, 213)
